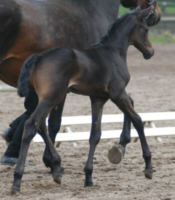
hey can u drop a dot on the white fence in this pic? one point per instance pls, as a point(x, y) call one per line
point(149, 118)
point(6, 88)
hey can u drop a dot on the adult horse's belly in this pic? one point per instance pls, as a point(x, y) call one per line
point(9, 71)
point(39, 30)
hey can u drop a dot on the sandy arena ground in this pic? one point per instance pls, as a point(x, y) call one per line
point(152, 86)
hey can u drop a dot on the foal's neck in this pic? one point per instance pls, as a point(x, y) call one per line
point(118, 36)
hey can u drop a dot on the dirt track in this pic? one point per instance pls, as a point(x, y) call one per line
point(152, 86)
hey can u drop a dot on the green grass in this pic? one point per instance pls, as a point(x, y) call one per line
point(123, 10)
point(162, 38)
point(170, 8)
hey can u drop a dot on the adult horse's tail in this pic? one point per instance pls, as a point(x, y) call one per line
point(24, 77)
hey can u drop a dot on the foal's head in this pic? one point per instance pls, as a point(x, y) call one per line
point(139, 34)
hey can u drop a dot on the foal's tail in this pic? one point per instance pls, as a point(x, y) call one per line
point(24, 77)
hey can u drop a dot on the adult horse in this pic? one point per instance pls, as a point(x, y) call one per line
point(76, 24)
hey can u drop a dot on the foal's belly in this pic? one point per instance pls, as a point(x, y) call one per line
point(89, 90)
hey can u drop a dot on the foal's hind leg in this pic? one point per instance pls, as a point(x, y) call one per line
point(30, 128)
point(124, 103)
point(97, 108)
point(55, 160)
point(116, 153)
point(54, 124)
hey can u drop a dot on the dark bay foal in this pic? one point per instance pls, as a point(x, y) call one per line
point(100, 72)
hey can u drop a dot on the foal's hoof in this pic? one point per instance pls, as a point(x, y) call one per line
point(57, 174)
point(5, 160)
point(148, 173)
point(60, 171)
point(15, 190)
point(116, 153)
point(6, 135)
point(57, 178)
point(88, 184)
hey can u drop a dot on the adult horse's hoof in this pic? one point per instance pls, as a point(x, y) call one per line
point(15, 190)
point(11, 161)
point(5, 160)
point(148, 173)
point(116, 154)
point(6, 135)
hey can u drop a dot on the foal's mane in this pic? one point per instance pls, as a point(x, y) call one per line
point(120, 22)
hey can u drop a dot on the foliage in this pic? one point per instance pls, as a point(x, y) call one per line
point(123, 10)
point(168, 9)
point(162, 38)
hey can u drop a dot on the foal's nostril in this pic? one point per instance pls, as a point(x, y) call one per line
point(151, 50)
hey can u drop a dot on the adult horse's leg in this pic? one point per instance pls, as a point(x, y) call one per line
point(117, 152)
point(54, 124)
point(125, 104)
point(31, 126)
point(97, 108)
point(11, 155)
point(7, 134)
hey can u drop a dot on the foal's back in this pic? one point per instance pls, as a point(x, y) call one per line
point(74, 69)
point(52, 69)
point(86, 72)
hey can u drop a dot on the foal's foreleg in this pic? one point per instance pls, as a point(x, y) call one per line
point(28, 133)
point(125, 136)
point(124, 103)
point(116, 153)
point(97, 108)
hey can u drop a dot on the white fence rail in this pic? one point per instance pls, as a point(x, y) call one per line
point(114, 118)
point(6, 88)
point(149, 118)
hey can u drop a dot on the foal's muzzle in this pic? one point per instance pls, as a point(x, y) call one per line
point(148, 53)
point(153, 19)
